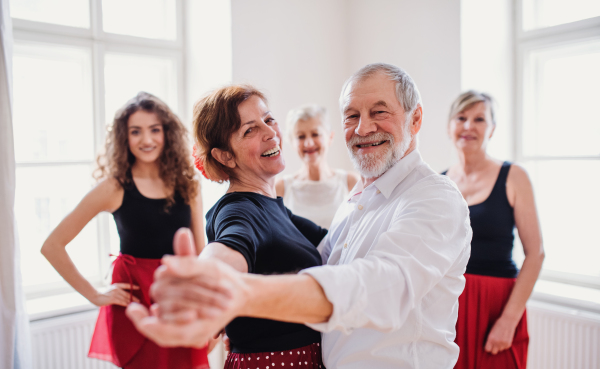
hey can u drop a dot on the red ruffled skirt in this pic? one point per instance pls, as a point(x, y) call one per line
point(115, 338)
point(479, 306)
point(307, 357)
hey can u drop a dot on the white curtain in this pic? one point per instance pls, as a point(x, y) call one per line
point(15, 348)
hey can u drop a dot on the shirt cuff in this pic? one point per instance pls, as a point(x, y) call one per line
point(346, 292)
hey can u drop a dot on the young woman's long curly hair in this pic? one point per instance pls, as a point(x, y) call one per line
point(175, 165)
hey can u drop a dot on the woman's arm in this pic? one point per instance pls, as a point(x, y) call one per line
point(520, 195)
point(226, 254)
point(106, 196)
point(197, 225)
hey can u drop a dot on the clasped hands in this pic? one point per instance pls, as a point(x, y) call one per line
point(194, 298)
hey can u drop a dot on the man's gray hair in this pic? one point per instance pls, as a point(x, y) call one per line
point(306, 112)
point(407, 92)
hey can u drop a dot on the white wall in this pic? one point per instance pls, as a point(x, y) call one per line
point(301, 51)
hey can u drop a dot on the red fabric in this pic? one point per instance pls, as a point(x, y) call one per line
point(307, 357)
point(479, 306)
point(115, 338)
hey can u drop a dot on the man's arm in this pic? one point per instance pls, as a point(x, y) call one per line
point(288, 298)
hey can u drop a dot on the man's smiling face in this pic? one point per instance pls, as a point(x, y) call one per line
point(375, 125)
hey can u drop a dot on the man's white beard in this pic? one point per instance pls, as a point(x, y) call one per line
point(373, 165)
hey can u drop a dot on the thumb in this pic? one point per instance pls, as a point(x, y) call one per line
point(183, 243)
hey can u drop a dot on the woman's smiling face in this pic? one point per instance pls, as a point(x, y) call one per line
point(145, 136)
point(256, 144)
point(472, 128)
point(311, 140)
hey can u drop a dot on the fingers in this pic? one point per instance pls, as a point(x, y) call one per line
point(126, 286)
point(118, 296)
point(495, 347)
point(179, 317)
point(194, 334)
point(185, 266)
point(226, 342)
point(189, 294)
point(183, 243)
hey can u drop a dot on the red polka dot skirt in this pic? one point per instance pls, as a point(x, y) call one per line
point(307, 357)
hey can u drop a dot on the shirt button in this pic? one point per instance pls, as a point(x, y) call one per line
point(360, 207)
point(345, 245)
point(378, 191)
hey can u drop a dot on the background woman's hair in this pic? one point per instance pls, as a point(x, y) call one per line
point(175, 165)
point(216, 118)
point(306, 112)
point(469, 98)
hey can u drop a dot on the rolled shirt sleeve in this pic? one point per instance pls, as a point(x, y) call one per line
point(427, 236)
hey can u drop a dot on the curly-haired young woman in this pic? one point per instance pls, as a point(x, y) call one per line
point(146, 180)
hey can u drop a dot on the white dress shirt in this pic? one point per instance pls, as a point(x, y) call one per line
point(396, 254)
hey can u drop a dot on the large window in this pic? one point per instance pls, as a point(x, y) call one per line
point(75, 63)
point(558, 130)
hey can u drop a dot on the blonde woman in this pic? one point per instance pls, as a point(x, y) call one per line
point(316, 190)
point(491, 330)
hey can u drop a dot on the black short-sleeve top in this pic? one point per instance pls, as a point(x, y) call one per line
point(145, 227)
point(273, 241)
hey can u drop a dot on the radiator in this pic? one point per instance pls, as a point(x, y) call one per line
point(562, 338)
point(63, 343)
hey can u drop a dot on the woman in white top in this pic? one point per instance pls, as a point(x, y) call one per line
point(316, 190)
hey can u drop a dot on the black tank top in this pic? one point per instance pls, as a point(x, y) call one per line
point(493, 223)
point(145, 229)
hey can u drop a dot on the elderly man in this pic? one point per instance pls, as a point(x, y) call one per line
point(395, 254)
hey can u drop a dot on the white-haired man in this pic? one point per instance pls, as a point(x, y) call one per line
point(395, 254)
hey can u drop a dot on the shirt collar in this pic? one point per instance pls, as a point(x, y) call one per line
point(397, 173)
point(393, 176)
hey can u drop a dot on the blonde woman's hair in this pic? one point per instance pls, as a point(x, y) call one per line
point(469, 98)
point(306, 112)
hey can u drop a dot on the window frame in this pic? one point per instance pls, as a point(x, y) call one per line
point(526, 42)
point(99, 43)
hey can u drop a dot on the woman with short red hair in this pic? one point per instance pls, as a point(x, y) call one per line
point(238, 140)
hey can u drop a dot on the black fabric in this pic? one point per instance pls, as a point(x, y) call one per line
point(273, 241)
point(493, 223)
point(146, 230)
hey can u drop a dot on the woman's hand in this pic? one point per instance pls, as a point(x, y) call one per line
point(501, 336)
point(214, 341)
point(115, 294)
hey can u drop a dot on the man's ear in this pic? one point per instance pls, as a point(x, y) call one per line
point(416, 120)
point(223, 157)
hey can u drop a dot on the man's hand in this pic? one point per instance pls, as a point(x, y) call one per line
point(194, 298)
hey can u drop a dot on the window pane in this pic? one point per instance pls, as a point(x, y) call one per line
point(546, 13)
point(567, 200)
point(53, 11)
point(561, 117)
point(142, 18)
point(53, 114)
point(44, 196)
point(126, 75)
